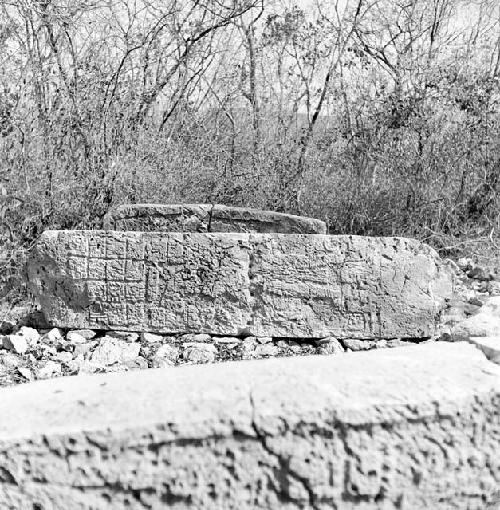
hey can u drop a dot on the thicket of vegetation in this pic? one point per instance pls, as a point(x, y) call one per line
point(379, 116)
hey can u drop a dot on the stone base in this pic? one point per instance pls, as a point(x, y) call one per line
point(291, 286)
point(409, 428)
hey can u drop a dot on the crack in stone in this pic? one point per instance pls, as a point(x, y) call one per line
point(284, 463)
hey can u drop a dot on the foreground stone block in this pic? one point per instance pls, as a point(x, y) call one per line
point(233, 284)
point(411, 428)
point(208, 218)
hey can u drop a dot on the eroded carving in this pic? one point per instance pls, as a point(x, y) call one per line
point(308, 286)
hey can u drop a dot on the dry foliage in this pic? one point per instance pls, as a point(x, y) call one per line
point(380, 117)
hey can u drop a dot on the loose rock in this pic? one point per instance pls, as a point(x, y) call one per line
point(49, 369)
point(264, 339)
point(77, 338)
point(485, 323)
point(151, 338)
point(199, 353)
point(53, 336)
point(15, 343)
point(129, 336)
point(329, 345)
point(32, 336)
point(227, 340)
point(111, 350)
point(164, 353)
point(26, 373)
point(355, 344)
point(195, 338)
point(267, 349)
point(88, 334)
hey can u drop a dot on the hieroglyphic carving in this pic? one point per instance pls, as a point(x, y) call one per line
point(264, 284)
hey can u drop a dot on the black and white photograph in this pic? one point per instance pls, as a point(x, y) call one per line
point(250, 254)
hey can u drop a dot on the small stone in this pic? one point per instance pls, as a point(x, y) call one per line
point(151, 338)
point(26, 373)
point(88, 334)
point(75, 365)
point(452, 265)
point(286, 346)
point(264, 339)
point(199, 352)
point(295, 347)
point(76, 338)
point(10, 360)
point(49, 369)
point(111, 350)
point(53, 336)
point(329, 345)
point(475, 301)
point(31, 334)
point(88, 367)
point(168, 352)
point(7, 327)
point(485, 323)
point(230, 340)
point(84, 348)
point(354, 344)
point(129, 336)
point(398, 342)
point(494, 288)
point(267, 349)
point(471, 309)
point(138, 363)
point(15, 343)
point(45, 350)
point(479, 273)
point(195, 338)
point(161, 363)
point(248, 347)
point(445, 334)
point(64, 357)
point(465, 263)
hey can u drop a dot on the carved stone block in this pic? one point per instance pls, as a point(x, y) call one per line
point(305, 286)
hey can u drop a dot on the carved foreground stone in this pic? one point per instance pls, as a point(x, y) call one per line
point(208, 218)
point(409, 428)
point(307, 286)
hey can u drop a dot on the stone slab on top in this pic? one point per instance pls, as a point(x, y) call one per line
point(208, 218)
point(277, 285)
point(408, 428)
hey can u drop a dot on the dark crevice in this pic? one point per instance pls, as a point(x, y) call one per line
point(210, 215)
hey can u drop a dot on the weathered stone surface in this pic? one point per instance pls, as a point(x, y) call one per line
point(228, 284)
point(486, 322)
point(208, 218)
point(411, 428)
